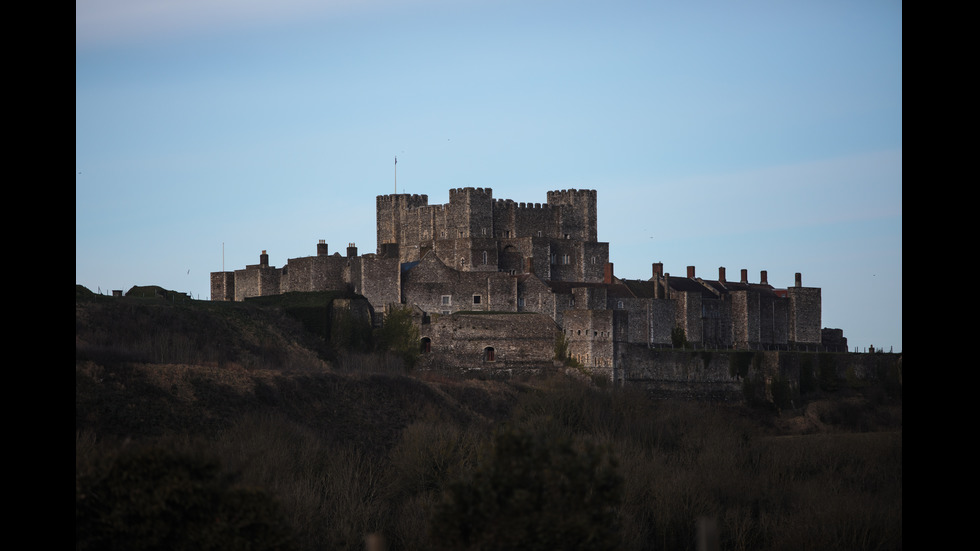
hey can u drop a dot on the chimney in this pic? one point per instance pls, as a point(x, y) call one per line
point(658, 269)
point(763, 278)
point(745, 276)
point(351, 250)
point(264, 260)
point(721, 274)
point(690, 272)
point(321, 248)
point(607, 275)
point(799, 279)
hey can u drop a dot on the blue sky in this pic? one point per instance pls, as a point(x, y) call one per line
point(764, 134)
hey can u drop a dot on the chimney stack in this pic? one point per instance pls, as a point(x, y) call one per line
point(745, 276)
point(321, 248)
point(658, 269)
point(264, 260)
point(690, 272)
point(607, 275)
point(351, 250)
point(763, 278)
point(799, 279)
point(721, 274)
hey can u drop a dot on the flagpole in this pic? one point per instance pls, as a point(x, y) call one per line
point(396, 174)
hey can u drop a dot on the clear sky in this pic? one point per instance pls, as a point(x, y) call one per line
point(758, 135)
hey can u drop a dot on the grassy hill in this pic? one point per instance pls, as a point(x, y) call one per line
point(216, 425)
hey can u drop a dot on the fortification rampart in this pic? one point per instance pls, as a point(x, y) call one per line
point(770, 376)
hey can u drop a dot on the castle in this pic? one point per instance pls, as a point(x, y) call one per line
point(493, 281)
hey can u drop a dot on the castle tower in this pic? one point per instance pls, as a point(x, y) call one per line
point(577, 213)
point(393, 217)
point(470, 213)
point(398, 223)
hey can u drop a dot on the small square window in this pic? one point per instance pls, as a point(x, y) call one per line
point(476, 299)
point(446, 300)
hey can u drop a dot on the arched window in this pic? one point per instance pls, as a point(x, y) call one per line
point(489, 354)
point(426, 345)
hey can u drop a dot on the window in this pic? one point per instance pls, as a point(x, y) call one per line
point(476, 299)
point(619, 305)
point(489, 354)
point(446, 300)
point(520, 302)
point(484, 257)
point(426, 345)
point(564, 259)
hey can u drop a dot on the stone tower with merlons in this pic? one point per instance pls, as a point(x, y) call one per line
point(556, 240)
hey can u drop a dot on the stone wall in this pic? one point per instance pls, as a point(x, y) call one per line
point(435, 287)
point(721, 374)
point(223, 286)
point(492, 342)
point(590, 337)
point(804, 314)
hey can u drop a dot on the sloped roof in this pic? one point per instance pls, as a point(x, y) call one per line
point(641, 288)
point(613, 290)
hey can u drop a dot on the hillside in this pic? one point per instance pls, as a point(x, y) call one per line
point(257, 403)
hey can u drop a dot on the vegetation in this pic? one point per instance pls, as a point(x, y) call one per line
point(251, 436)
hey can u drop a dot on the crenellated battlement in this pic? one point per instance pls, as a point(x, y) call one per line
point(471, 191)
point(566, 196)
point(413, 200)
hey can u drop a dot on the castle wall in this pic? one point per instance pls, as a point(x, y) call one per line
point(745, 319)
point(713, 375)
point(435, 287)
point(804, 314)
point(590, 337)
point(688, 314)
point(535, 296)
point(516, 341)
point(223, 286)
point(315, 273)
point(716, 322)
point(470, 213)
point(576, 213)
point(468, 254)
point(256, 281)
point(661, 321)
point(638, 312)
point(378, 280)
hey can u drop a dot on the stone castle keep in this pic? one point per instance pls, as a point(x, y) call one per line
point(494, 281)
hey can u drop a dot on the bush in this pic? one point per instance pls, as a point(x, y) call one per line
point(159, 498)
point(533, 491)
point(399, 335)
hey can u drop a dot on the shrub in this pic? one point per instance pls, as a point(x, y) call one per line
point(160, 498)
point(399, 335)
point(533, 491)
